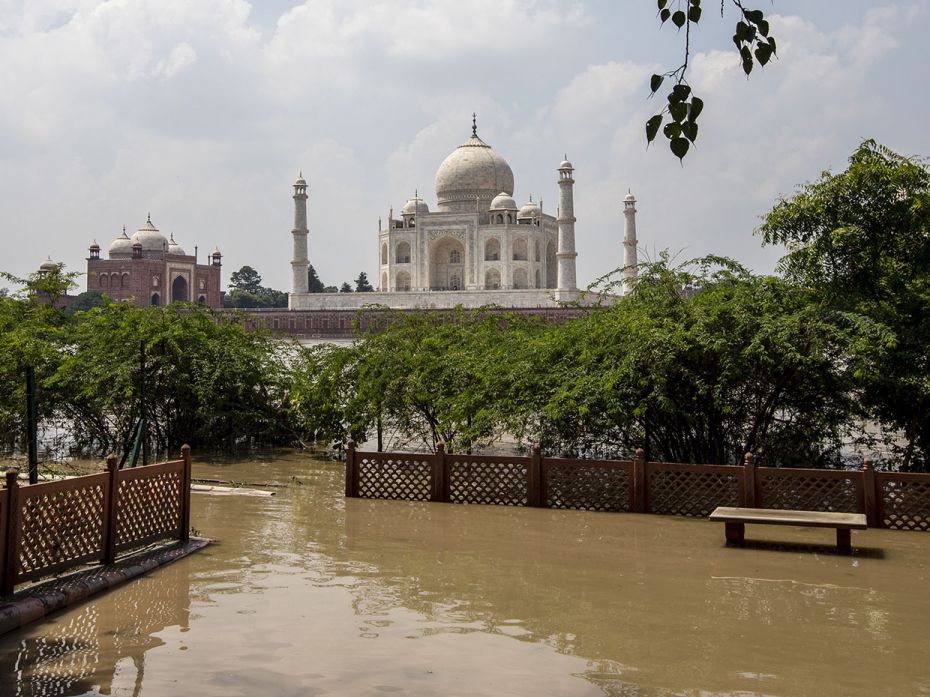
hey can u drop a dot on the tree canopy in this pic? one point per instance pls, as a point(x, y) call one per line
point(247, 291)
point(860, 239)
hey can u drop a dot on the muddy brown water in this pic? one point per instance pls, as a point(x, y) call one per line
point(310, 594)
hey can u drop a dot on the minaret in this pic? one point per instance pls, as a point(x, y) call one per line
point(300, 263)
point(566, 253)
point(630, 256)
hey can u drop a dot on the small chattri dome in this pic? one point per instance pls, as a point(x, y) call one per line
point(629, 197)
point(566, 164)
point(300, 180)
point(48, 265)
point(414, 205)
point(529, 210)
point(503, 202)
point(174, 247)
point(150, 238)
point(94, 247)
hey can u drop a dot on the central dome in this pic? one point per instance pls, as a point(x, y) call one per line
point(473, 170)
point(150, 238)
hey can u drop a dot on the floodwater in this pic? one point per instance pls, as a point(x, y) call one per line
point(309, 594)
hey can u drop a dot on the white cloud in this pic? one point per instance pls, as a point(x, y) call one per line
point(203, 114)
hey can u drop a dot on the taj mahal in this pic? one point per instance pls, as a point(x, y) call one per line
point(476, 248)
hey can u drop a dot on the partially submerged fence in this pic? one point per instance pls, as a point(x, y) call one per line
point(888, 499)
point(50, 527)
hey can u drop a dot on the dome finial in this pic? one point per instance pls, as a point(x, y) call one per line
point(474, 125)
point(148, 217)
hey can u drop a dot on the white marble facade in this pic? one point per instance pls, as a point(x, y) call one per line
point(477, 247)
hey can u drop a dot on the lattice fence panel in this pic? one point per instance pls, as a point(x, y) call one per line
point(906, 504)
point(693, 493)
point(588, 487)
point(59, 527)
point(500, 483)
point(811, 493)
point(148, 508)
point(406, 478)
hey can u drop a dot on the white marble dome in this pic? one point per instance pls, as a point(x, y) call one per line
point(503, 202)
point(150, 238)
point(174, 247)
point(473, 170)
point(415, 205)
point(48, 265)
point(120, 247)
point(529, 210)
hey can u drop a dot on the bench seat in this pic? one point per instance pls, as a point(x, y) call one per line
point(736, 519)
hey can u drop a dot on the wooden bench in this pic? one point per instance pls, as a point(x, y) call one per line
point(736, 519)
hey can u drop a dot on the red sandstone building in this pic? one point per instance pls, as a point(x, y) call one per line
point(148, 269)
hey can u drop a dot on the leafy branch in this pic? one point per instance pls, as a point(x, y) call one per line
point(753, 42)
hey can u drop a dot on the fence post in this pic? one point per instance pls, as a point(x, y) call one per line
point(186, 494)
point(437, 473)
point(534, 493)
point(750, 496)
point(639, 481)
point(869, 493)
point(12, 532)
point(112, 504)
point(351, 471)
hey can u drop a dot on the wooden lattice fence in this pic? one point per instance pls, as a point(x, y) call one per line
point(54, 526)
point(888, 499)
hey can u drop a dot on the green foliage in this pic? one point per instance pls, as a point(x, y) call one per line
point(210, 382)
point(753, 43)
point(314, 284)
point(345, 287)
point(247, 291)
point(246, 279)
point(747, 363)
point(267, 297)
point(362, 285)
point(860, 240)
point(86, 301)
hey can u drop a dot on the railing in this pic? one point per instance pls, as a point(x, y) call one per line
point(50, 527)
point(888, 499)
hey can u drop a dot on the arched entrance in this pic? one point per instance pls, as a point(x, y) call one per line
point(447, 267)
point(179, 290)
point(492, 279)
point(156, 301)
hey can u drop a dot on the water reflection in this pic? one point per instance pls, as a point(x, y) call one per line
point(87, 649)
point(311, 594)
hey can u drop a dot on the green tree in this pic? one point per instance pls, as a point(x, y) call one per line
point(86, 301)
point(345, 287)
point(314, 284)
point(246, 279)
point(362, 285)
point(860, 239)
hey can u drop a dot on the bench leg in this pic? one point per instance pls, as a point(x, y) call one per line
point(844, 540)
point(736, 533)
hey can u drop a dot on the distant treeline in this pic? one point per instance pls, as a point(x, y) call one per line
point(699, 362)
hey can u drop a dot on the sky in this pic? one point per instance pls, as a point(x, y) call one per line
point(203, 112)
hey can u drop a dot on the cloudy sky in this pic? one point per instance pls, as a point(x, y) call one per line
point(203, 112)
